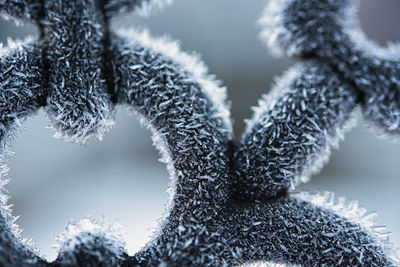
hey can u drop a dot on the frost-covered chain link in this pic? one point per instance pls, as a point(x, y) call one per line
point(329, 30)
point(229, 203)
point(293, 135)
point(74, 46)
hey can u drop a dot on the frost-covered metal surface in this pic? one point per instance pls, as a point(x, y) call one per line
point(92, 242)
point(21, 10)
point(292, 131)
point(329, 30)
point(230, 203)
point(21, 91)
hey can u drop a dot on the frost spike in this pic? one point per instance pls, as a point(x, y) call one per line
point(25, 10)
point(20, 94)
point(78, 103)
point(143, 7)
point(330, 31)
point(294, 231)
point(188, 126)
point(292, 131)
point(186, 109)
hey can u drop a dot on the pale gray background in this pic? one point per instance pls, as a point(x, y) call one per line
point(120, 178)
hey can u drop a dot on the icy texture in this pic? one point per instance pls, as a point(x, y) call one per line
point(77, 102)
point(20, 83)
point(265, 264)
point(229, 202)
point(329, 30)
point(143, 7)
point(355, 214)
point(20, 10)
point(91, 241)
point(284, 230)
point(293, 128)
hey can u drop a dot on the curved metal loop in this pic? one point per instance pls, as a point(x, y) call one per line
point(293, 231)
point(329, 31)
point(79, 73)
point(191, 127)
point(292, 131)
point(21, 94)
point(349, 66)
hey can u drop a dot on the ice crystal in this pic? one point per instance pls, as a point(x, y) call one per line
point(92, 241)
point(230, 202)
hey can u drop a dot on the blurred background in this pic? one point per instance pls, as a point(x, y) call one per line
point(121, 179)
